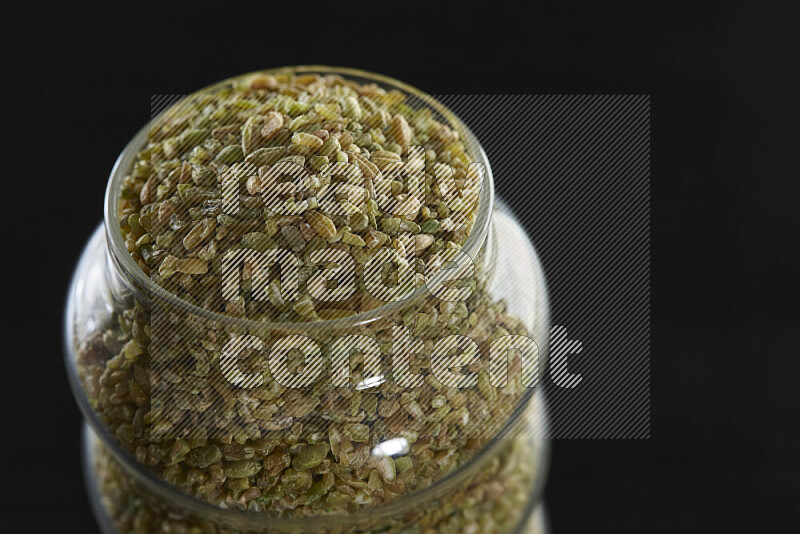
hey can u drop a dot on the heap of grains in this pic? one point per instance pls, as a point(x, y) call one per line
point(368, 171)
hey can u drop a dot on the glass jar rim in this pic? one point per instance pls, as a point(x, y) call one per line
point(124, 261)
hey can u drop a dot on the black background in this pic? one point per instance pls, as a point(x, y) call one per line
point(723, 451)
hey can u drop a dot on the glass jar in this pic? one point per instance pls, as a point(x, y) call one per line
point(182, 440)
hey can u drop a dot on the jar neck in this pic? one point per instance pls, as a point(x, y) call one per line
point(127, 273)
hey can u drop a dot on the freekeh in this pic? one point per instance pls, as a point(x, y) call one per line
point(275, 204)
point(325, 164)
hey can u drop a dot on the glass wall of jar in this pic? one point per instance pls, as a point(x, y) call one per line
point(258, 413)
